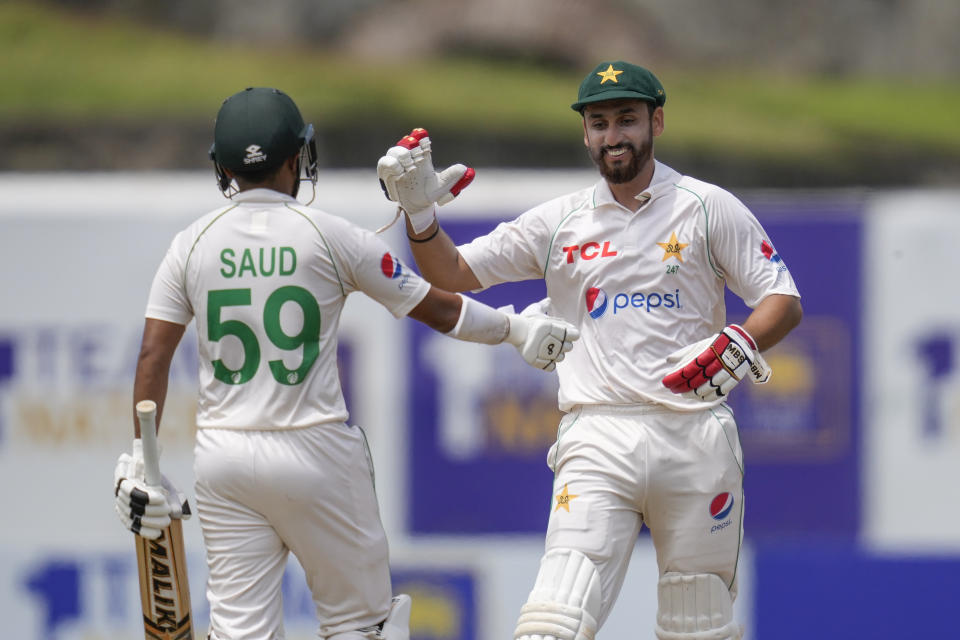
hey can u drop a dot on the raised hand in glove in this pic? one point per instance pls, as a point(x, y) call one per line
point(144, 509)
point(408, 178)
point(713, 367)
point(543, 341)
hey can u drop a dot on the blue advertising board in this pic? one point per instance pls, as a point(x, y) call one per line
point(481, 422)
point(800, 432)
point(444, 603)
point(841, 591)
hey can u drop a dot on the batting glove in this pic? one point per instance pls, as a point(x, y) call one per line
point(407, 177)
point(144, 509)
point(541, 340)
point(542, 307)
point(718, 365)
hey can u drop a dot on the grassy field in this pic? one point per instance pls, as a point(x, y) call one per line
point(76, 69)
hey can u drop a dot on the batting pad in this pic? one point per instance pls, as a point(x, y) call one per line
point(695, 607)
point(565, 601)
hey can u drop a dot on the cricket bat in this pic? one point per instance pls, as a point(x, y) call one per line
point(164, 589)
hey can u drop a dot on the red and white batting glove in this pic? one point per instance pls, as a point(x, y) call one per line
point(408, 178)
point(716, 365)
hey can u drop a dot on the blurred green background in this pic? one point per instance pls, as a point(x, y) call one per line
point(863, 93)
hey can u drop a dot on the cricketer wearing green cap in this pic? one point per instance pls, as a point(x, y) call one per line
point(640, 263)
point(617, 80)
point(622, 108)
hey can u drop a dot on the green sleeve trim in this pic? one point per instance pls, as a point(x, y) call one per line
point(325, 245)
point(706, 228)
point(546, 262)
point(197, 240)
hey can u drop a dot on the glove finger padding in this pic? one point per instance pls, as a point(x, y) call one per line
point(141, 508)
point(389, 169)
point(542, 341)
point(407, 177)
point(718, 365)
point(447, 184)
point(130, 467)
point(145, 509)
point(452, 181)
point(404, 181)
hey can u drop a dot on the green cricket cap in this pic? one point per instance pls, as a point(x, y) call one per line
point(257, 128)
point(616, 81)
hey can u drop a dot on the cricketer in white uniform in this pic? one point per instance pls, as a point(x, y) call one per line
point(278, 468)
point(639, 263)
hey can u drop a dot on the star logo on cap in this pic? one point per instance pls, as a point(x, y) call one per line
point(610, 74)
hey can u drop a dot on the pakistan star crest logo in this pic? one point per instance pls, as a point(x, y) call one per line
point(610, 74)
point(564, 498)
point(672, 248)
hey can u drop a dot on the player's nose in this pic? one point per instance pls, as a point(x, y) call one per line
point(612, 137)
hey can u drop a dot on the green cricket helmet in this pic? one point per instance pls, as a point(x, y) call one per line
point(256, 130)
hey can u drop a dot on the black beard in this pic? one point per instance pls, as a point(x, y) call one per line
point(623, 173)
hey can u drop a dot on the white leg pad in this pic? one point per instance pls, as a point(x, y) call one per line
point(695, 607)
point(565, 601)
point(396, 626)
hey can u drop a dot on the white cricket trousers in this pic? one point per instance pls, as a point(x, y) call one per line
point(263, 494)
point(620, 467)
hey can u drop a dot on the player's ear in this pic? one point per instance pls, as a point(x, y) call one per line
point(586, 142)
point(657, 121)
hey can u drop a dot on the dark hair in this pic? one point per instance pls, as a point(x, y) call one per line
point(651, 107)
point(249, 178)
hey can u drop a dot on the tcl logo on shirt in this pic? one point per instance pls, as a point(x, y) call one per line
point(589, 251)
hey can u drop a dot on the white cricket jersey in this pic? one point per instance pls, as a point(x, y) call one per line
point(266, 280)
point(639, 285)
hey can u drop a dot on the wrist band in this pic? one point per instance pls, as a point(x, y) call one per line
point(428, 238)
point(479, 323)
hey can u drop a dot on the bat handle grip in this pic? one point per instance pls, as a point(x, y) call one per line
point(147, 414)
